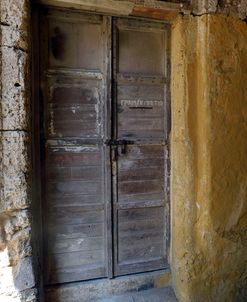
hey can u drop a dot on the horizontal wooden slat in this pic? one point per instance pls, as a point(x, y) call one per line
point(140, 214)
point(139, 163)
point(67, 108)
point(74, 173)
point(140, 173)
point(75, 131)
point(77, 126)
point(74, 187)
point(135, 267)
point(84, 207)
point(76, 258)
point(140, 238)
point(142, 111)
point(71, 112)
point(147, 79)
point(74, 199)
point(77, 244)
point(147, 152)
point(74, 145)
point(148, 225)
point(136, 204)
point(70, 159)
point(73, 76)
point(140, 197)
point(135, 253)
point(145, 25)
point(144, 134)
point(68, 15)
point(65, 231)
point(74, 215)
point(137, 123)
point(133, 92)
point(142, 186)
point(74, 95)
point(75, 273)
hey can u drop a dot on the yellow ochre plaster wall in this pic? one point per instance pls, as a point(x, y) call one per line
point(209, 158)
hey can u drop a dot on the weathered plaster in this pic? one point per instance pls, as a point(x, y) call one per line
point(209, 198)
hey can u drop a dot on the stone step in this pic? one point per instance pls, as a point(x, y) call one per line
point(90, 291)
point(151, 295)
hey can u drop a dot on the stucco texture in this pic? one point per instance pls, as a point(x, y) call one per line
point(209, 164)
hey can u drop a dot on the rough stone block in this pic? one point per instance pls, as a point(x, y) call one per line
point(15, 194)
point(15, 168)
point(15, 222)
point(242, 9)
point(15, 105)
point(20, 245)
point(16, 235)
point(23, 274)
point(29, 295)
point(8, 291)
point(13, 37)
point(15, 13)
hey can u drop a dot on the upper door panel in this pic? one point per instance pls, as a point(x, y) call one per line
point(140, 74)
point(75, 42)
point(141, 51)
point(75, 107)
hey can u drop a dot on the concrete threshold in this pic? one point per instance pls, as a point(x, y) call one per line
point(94, 290)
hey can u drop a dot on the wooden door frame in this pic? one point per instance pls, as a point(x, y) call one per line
point(166, 11)
point(38, 146)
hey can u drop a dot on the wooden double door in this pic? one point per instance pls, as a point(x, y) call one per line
point(103, 84)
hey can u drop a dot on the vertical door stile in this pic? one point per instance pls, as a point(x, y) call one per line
point(107, 136)
point(167, 113)
point(114, 150)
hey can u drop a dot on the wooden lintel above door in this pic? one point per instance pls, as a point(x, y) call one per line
point(161, 10)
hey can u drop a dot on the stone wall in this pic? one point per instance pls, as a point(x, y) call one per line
point(237, 8)
point(209, 179)
point(17, 282)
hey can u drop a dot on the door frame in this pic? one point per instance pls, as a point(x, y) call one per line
point(38, 139)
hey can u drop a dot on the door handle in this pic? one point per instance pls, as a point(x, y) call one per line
point(119, 142)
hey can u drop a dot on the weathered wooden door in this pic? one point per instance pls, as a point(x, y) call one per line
point(74, 75)
point(103, 94)
point(140, 167)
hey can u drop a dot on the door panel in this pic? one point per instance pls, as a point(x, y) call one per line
point(136, 41)
point(75, 107)
point(140, 109)
point(75, 40)
point(141, 103)
point(74, 93)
